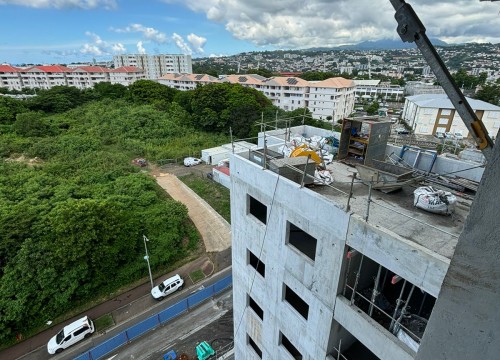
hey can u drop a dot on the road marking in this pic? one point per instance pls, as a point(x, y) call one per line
point(168, 346)
point(198, 328)
point(112, 357)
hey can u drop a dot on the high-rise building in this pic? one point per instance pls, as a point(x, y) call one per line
point(156, 66)
point(331, 272)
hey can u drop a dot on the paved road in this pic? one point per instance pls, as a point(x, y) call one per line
point(135, 312)
point(214, 229)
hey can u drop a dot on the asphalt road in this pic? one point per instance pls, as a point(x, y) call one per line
point(134, 317)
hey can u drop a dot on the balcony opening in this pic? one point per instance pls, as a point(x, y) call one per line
point(256, 308)
point(346, 347)
point(289, 347)
point(254, 346)
point(257, 209)
point(302, 241)
point(395, 303)
point(296, 301)
point(257, 264)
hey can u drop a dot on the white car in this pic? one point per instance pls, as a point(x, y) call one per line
point(191, 161)
point(167, 287)
point(70, 334)
point(458, 135)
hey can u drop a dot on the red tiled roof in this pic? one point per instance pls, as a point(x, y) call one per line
point(92, 69)
point(223, 169)
point(127, 69)
point(50, 68)
point(8, 68)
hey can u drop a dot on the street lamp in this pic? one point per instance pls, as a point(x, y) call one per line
point(147, 259)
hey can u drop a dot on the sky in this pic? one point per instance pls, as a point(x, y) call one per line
point(65, 31)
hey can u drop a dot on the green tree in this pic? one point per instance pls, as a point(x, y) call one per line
point(32, 124)
point(9, 108)
point(151, 92)
point(373, 108)
point(110, 91)
point(489, 93)
point(57, 99)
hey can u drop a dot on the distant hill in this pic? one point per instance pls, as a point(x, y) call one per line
point(384, 44)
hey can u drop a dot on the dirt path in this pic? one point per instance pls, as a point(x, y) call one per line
point(215, 231)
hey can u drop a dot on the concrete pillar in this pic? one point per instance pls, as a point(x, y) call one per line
point(465, 322)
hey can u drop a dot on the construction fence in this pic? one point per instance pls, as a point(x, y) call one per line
point(158, 319)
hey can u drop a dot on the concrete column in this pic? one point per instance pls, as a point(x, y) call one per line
point(465, 322)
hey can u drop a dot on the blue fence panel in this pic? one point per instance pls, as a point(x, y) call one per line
point(108, 346)
point(223, 284)
point(173, 311)
point(85, 356)
point(200, 296)
point(142, 327)
point(148, 324)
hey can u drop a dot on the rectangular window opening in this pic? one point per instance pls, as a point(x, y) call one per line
point(302, 241)
point(289, 347)
point(257, 264)
point(254, 346)
point(256, 308)
point(296, 301)
point(258, 209)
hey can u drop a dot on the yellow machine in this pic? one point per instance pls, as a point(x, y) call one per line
point(303, 150)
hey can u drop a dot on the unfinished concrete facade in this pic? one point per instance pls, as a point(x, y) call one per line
point(314, 280)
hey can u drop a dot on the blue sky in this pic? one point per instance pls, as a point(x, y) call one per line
point(64, 31)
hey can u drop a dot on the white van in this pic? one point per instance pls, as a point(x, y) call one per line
point(70, 334)
point(167, 287)
point(191, 161)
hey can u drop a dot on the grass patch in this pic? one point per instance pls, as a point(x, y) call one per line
point(103, 322)
point(216, 195)
point(196, 276)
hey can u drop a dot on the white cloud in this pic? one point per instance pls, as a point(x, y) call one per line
point(312, 23)
point(197, 42)
point(181, 44)
point(100, 47)
point(140, 48)
point(148, 33)
point(60, 4)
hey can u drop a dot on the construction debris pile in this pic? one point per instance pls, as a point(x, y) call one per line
point(321, 150)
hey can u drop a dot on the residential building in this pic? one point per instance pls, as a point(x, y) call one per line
point(84, 77)
point(321, 274)
point(155, 66)
point(10, 77)
point(331, 99)
point(126, 75)
point(317, 272)
point(45, 76)
point(374, 89)
point(431, 113)
point(81, 77)
point(185, 82)
point(419, 88)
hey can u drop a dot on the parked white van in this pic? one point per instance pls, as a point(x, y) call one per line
point(191, 161)
point(167, 287)
point(70, 334)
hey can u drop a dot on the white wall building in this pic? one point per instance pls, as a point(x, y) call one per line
point(311, 277)
point(155, 66)
point(84, 77)
point(329, 98)
point(431, 113)
point(126, 75)
point(10, 77)
point(374, 89)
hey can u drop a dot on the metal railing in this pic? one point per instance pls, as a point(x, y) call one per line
point(153, 321)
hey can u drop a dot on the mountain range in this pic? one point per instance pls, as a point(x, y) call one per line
point(384, 44)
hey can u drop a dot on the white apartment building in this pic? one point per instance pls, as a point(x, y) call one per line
point(431, 113)
point(155, 66)
point(185, 82)
point(374, 89)
point(126, 75)
point(44, 77)
point(82, 77)
point(316, 276)
point(331, 99)
point(10, 77)
point(85, 77)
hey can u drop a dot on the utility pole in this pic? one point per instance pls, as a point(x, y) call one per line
point(147, 260)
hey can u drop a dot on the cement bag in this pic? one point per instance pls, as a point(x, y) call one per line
point(435, 201)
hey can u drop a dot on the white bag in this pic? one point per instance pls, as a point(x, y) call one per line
point(435, 201)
